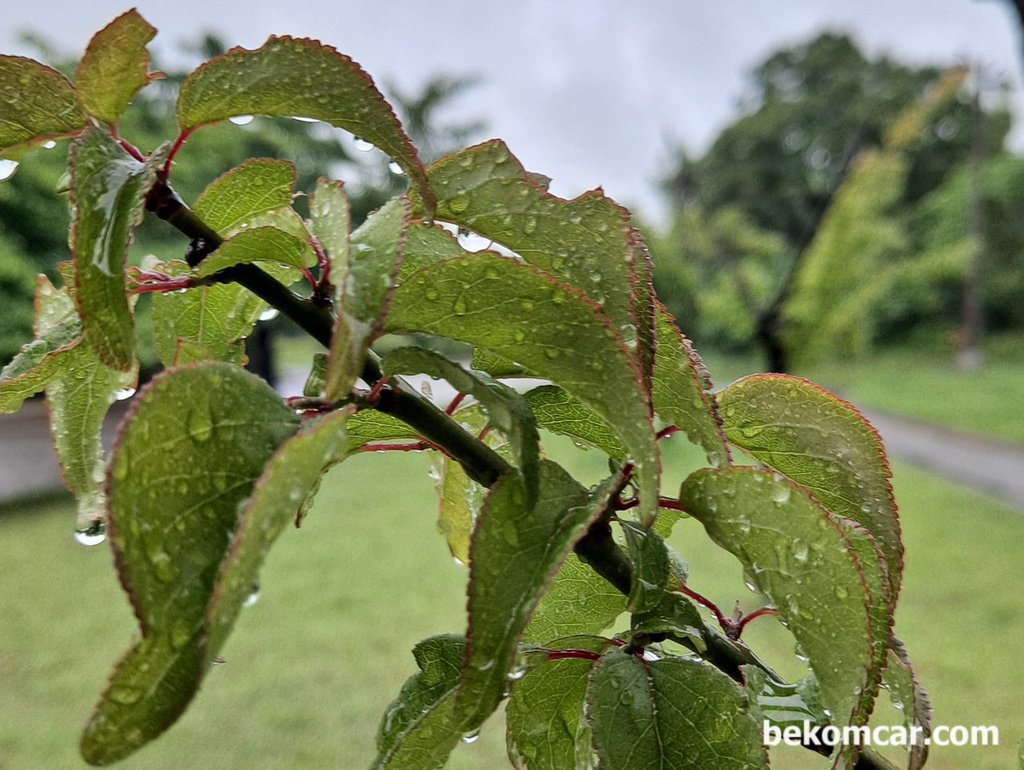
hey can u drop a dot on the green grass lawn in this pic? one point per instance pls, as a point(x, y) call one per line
point(313, 664)
point(921, 383)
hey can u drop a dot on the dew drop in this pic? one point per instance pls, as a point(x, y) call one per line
point(800, 551)
point(841, 592)
point(527, 304)
point(269, 314)
point(471, 738)
point(751, 431)
point(626, 698)
point(304, 119)
point(200, 424)
point(122, 394)
point(7, 168)
point(92, 532)
point(241, 120)
point(519, 335)
point(49, 145)
point(181, 632)
point(362, 145)
point(254, 595)
point(124, 695)
point(395, 169)
point(432, 294)
point(780, 493)
point(459, 308)
point(217, 661)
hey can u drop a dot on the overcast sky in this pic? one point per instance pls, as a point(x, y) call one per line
point(589, 92)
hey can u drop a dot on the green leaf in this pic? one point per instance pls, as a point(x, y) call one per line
point(289, 478)
point(330, 221)
point(578, 601)
point(108, 189)
point(673, 614)
point(418, 730)
point(57, 330)
point(425, 245)
point(585, 242)
point(514, 554)
point(461, 501)
point(522, 314)
point(910, 697)
point(188, 455)
point(781, 703)
point(682, 390)
point(645, 309)
point(808, 562)
point(314, 386)
point(80, 396)
point(245, 193)
point(671, 714)
point(544, 717)
point(205, 322)
point(36, 104)
point(649, 557)
point(115, 66)
point(258, 244)
point(304, 78)
point(506, 410)
point(560, 413)
point(822, 442)
point(362, 293)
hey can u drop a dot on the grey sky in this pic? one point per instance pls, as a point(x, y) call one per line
point(589, 92)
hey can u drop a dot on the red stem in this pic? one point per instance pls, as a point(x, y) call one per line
point(182, 137)
point(417, 446)
point(666, 432)
point(450, 410)
point(763, 612)
point(724, 622)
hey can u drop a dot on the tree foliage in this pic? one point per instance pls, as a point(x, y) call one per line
point(210, 465)
point(806, 204)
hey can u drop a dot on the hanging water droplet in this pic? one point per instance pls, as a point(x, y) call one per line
point(362, 145)
point(749, 582)
point(217, 661)
point(50, 144)
point(303, 119)
point(516, 674)
point(122, 394)
point(91, 532)
point(254, 595)
point(470, 738)
point(241, 120)
point(7, 168)
point(780, 493)
point(798, 651)
point(269, 314)
point(395, 169)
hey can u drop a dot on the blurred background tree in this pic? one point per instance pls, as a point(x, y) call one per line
point(810, 213)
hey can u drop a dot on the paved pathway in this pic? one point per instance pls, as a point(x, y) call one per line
point(979, 462)
point(28, 464)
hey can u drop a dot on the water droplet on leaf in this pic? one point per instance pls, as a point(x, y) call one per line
point(241, 120)
point(254, 595)
point(7, 168)
point(470, 738)
point(362, 145)
point(122, 394)
point(91, 532)
point(269, 314)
